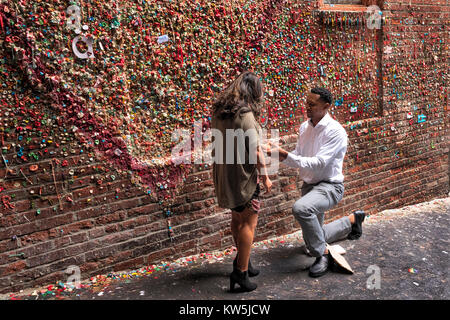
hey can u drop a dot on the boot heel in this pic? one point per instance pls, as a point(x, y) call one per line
point(232, 284)
point(242, 279)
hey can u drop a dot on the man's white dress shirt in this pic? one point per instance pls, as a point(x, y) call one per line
point(320, 151)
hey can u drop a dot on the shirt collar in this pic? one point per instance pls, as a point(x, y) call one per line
point(323, 122)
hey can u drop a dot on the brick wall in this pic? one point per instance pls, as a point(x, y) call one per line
point(79, 208)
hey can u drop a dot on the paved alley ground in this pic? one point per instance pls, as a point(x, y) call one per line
point(403, 254)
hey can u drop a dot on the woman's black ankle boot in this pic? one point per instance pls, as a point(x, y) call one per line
point(252, 272)
point(242, 279)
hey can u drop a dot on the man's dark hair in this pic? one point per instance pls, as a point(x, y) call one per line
point(325, 95)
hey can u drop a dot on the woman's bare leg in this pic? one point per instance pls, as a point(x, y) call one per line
point(235, 225)
point(248, 219)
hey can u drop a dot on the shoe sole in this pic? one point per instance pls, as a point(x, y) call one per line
point(317, 275)
point(357, 235)
point(240, 290)
point(354, 236)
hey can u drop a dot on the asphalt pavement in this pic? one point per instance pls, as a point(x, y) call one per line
point(403, 254)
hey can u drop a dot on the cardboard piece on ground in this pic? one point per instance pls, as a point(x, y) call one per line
point(339, 259)
point(338, 249)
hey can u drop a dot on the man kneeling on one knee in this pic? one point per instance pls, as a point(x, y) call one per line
point(319, 154)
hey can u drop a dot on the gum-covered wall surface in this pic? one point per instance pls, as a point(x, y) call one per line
point(93, 91)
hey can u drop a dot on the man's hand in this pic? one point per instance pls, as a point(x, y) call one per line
point(271, 147)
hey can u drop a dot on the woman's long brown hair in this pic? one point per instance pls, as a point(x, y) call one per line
point(243, 95)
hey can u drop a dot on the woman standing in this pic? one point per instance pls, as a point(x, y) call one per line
point(236, 165)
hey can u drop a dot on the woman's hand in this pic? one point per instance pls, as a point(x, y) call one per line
point(267, 183)
point(266, 149)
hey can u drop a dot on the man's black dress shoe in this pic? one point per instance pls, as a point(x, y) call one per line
point(357, 226)
point(320, 266)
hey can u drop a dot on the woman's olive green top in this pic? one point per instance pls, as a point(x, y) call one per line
point(234, 148)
